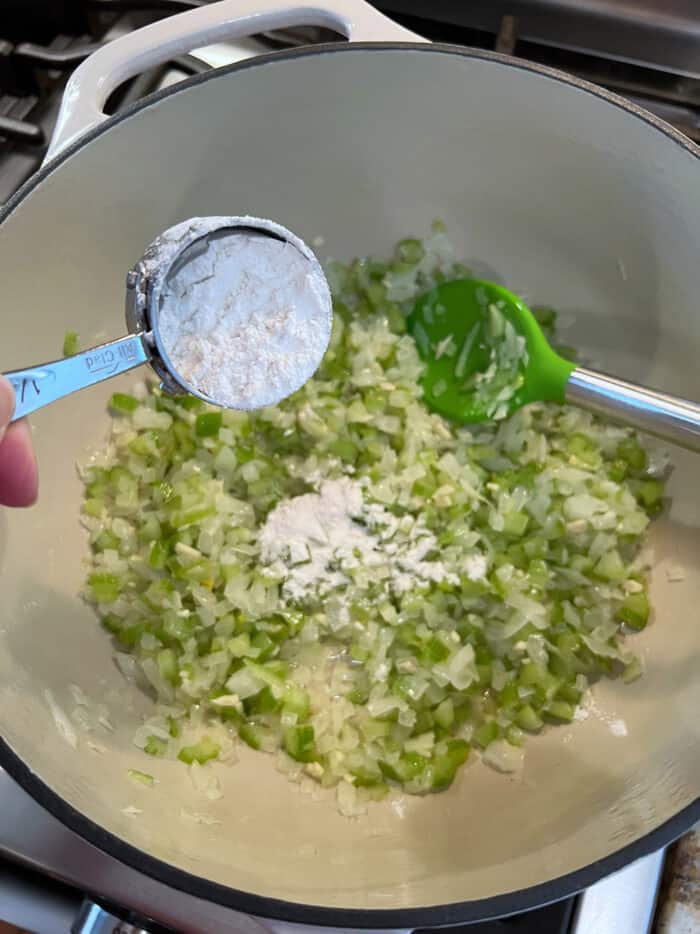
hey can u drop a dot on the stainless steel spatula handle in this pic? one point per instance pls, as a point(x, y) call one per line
point(666, 417)
point(38, 386)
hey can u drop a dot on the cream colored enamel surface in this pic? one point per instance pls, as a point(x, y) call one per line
point(558, 192)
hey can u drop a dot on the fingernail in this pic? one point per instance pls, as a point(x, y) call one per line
point(7, 404)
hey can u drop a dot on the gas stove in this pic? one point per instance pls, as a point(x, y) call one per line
point(647, 50)
point(52, 881)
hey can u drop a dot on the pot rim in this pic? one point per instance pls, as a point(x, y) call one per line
point(453, 913)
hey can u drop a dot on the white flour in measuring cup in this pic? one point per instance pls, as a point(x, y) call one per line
point(246, 320)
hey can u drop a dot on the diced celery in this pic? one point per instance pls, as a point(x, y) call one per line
point(515, 523)
point(632, 671)
point(149, 530)
point(141, 778)
point(610, 567)
point(296, 700)
point(486, 733)
point(357, 695)
point(514, 736)
point(168, 666)
point(445, 714)
point(410, 251)
point(299, 742)
point(410, 765)
point(250, 733)
point(445, 766)
point(570, 693)
point(632, 453)
point(584, 450)
point(130, 635)
point(617, 470)
point(208, 424)
point(263, 702)
point(264, 646)
point(272, 672)
point(155, 746)
point(436, 650)
point(105, 588)
point(240, 647)
point(365, 776)
point(635, 610)
point(112, 623)
point(200, 752)
point(650, 493)
point(560, 710)
point(106, 540)
point(185, 517)
point(508, 697)
point(93, 507)
point(345, 449)
point(123, 403)
point(528, 719)
point(158, 555)
point(71, 344)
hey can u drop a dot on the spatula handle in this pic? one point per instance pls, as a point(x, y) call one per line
point(667, 417)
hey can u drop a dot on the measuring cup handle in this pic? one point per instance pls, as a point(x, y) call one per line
point(94, 80)
point(40, 385)
point(667, 417)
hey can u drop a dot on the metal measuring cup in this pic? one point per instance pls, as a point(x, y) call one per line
point(39, 386)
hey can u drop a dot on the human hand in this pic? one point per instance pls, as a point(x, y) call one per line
point(18, 472)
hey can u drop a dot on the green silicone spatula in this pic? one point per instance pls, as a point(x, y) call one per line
point(486, 356)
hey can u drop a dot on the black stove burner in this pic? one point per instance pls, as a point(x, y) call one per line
point(552, 919)
point(41, 42)
point(650, 55)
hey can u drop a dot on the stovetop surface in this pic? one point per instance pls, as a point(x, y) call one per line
point(647, 50)
point(552, 919)
point(33, 844)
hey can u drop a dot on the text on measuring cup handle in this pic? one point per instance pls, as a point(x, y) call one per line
point(110, 359)
point(29, 385)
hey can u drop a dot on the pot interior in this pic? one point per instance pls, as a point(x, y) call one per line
point(572, 201)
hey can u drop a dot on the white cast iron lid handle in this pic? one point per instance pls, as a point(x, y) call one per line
point(92, 82)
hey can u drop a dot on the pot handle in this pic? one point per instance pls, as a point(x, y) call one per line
point(94, 80)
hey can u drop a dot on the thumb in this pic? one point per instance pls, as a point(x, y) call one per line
point(7, 405)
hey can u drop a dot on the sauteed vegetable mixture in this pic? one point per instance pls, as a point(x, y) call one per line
point(351, 582)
